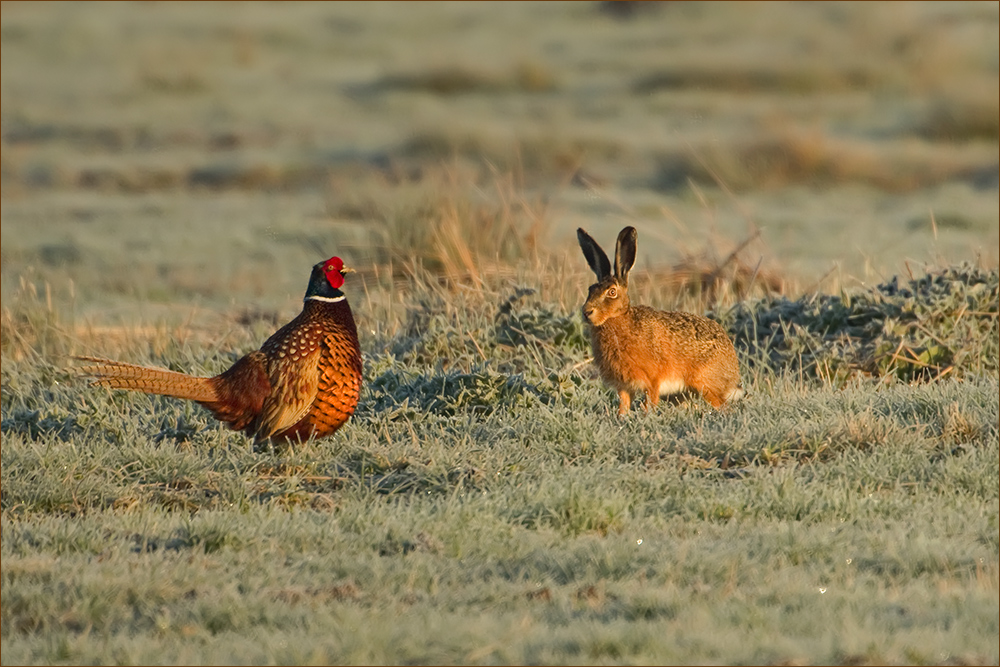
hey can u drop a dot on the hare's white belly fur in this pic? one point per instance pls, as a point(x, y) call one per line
point(671, 386)
point(667, 387)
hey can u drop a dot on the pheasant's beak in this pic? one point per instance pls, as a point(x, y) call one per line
point(345, 270)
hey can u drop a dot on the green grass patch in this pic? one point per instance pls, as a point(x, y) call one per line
point(485, 505)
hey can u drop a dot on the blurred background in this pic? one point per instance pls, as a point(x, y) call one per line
point(165, 160)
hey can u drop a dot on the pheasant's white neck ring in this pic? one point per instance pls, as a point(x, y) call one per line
point(326, 299)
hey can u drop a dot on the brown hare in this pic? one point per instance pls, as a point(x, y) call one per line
point(637, 348)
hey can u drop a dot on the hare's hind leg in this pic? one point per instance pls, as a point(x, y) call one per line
point(718, 393)
point(713, 388)
point(718, 380)
point(713, 396)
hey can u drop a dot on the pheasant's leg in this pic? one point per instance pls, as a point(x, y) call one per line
point(624, 402)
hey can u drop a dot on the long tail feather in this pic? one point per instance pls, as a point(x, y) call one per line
point(119, 375)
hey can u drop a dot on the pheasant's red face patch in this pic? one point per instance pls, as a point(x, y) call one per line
point(332, 269)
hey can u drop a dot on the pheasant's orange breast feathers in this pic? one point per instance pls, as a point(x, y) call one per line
point(341, 374)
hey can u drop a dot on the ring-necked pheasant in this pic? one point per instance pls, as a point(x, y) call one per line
point(303, 382)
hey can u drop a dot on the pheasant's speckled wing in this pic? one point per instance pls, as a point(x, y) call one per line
point(293, 366)
point(294, 381)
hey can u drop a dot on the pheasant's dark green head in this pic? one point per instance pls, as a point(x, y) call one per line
point(326, 280)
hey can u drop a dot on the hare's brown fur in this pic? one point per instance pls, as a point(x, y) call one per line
point(639, 349)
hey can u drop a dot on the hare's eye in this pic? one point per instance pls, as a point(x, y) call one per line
point(612, 293)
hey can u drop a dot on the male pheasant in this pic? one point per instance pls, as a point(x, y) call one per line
point(303, 382)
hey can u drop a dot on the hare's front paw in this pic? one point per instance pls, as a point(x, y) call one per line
point(624, 403)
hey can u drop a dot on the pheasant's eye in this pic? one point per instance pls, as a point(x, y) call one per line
point(330, 268)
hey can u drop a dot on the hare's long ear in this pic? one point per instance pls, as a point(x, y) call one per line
point(625, 254)
point(596, 257)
